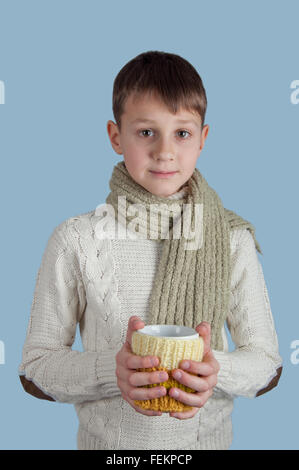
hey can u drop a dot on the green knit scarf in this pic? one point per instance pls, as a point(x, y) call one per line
point(191, 285)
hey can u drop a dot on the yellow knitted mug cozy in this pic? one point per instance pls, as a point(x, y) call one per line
point(171, 343)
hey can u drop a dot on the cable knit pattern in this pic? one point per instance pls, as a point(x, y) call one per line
point(99, 283)
point(254, 335)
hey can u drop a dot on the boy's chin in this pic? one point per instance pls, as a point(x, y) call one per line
point(162, 189)
point(162, 193)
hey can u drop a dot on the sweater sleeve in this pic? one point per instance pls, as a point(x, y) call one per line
point(50, 369)
point(255, 365)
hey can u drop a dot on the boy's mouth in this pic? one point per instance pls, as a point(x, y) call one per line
point(163, 174)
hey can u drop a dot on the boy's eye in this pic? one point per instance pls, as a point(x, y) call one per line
point(185, 132)
point(149, 130)
point(145, 130)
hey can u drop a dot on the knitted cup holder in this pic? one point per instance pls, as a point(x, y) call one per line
point(171, 343)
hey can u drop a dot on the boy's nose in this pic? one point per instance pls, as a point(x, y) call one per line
point(166, 156)
point(163, 150)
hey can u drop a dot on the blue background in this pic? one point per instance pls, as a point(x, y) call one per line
point(58, 60)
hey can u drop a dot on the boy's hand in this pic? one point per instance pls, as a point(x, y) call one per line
point(206, 370)
point(129, 380)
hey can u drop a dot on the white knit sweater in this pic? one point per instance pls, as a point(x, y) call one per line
point(100, 283)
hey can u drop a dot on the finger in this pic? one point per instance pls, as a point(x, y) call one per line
point(204, 368)
point(210, 359)
point(135, 323)
point(204, 330)
point(142, 362)
point(128, 394)
point(192, 381)
point(132, 361)
point(198, 383)
point(137, 379)
point(139, 393)
point(192, 399)
point(212, 380)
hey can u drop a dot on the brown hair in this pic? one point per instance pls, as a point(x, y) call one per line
point(168, 75)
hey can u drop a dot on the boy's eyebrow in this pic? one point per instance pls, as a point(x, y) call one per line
point(182, 121)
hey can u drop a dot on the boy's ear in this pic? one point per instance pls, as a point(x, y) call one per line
point(114, 136)
point(204, 135)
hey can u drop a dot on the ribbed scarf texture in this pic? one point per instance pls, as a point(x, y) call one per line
point(190, 285)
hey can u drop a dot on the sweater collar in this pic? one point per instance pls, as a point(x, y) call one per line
point(179, 194)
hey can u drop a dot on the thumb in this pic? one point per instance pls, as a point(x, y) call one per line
point(134, 323)
point(204, 330)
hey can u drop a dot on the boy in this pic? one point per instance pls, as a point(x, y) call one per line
point(113, 285)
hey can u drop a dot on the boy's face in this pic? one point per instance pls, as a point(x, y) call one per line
point(154, 140)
